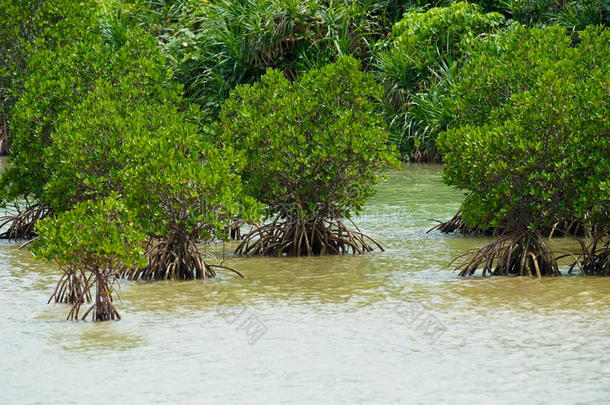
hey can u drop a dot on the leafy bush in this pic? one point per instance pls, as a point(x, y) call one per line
point(574, 15)
point(314, 148)
point(28, 27)
point(86, 150)
point(418, 69)
point(182, 189)
point(60, 80)
point(185, 191)
point(542, 154)
point(91, 243)
point(499, 66)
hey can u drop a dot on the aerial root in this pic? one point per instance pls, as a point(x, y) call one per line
point(21, 225)
point(458, 225)
point(234, 229)
point(425, 155)
point(73, 286)
point(171, 260)
point(517, 254)
point(595, 256)
point(103, 308)
point(298, 237)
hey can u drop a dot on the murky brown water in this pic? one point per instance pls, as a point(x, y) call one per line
point(391, 327)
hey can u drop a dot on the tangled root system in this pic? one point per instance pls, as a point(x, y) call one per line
point(518, 254)
point(102, 309)
point(425, 155)
point(21, 225)
point(169, 259)
point(457, 224)
point(299, 237)
point(595, 256)
point(73, 286)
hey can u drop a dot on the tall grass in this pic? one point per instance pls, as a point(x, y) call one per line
point(217, 45)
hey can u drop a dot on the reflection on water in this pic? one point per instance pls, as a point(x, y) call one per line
point(343, 329)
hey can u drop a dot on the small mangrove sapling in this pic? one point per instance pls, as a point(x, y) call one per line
point(92, 243)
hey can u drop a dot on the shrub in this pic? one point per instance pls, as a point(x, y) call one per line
point(542, 154)
point(314, 148)
point(92, 244)
point(60, 81)
point(499, 66)
point(86, 150)
point(181, 189)
point(185, 191)
point(28, 27)
point(574, 15)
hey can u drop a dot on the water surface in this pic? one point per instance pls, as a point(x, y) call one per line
point(390, 327)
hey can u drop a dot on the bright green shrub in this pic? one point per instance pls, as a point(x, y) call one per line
point(418, 68)
point(27, 27)
point(60, 80)
point(542, 155)
point(96, 235)
point(91, 243)
point(574, 15)
point(502, 65)
point(313, 147)
point(185, 191)
point(181, 189)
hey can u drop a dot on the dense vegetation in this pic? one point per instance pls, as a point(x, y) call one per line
point(532, 147)
point(418, 70)
point(91, 244)
point(30, 27)
point(311, 163)
point(157, 125)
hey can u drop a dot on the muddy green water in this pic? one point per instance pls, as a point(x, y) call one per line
point(391, 327)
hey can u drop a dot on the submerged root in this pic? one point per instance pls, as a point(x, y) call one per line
point(299, 237)
point(519, 254)
point(425, 155)
point(21, 225)
point(234, 229)
point(595, 256)
point(73, 287)
point(457, 224)
point(171, 260)
point(102, 309)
